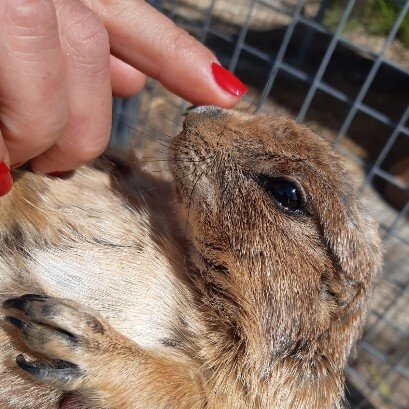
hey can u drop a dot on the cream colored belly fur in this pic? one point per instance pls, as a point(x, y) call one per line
point(84, 242)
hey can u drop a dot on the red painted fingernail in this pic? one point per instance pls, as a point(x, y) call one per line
point(16, 165)
point(228, 81)
point(6, 181)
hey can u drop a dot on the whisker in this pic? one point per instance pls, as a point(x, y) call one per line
point(169, 119)
point(312, 122)
point(161, 142)
point(135, 129)
point(227, 123)
point(252, 103)
point(171, 160)
point(191, 198)
point(155, 170)
point(264, 95)
point(147, 135)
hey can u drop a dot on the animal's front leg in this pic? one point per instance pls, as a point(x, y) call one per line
point(83, 352)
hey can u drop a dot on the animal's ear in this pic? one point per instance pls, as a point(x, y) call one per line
point(350, 234)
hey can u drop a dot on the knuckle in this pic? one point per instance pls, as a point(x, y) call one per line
point(31, 13)
point(179, 45)
point(86, 39)
point(182, 42)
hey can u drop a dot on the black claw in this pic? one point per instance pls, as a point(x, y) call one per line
point(57, 371)
point(25, 328)
point(20, 303)
point(14, 303)
point(16, 322)
point(30, 367)
point(35, 297)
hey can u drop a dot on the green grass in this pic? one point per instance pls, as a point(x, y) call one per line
point(375, 16)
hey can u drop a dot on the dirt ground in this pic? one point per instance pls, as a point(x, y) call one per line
point(265, 18)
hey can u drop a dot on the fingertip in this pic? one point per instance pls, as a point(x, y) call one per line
point(126, 80)
point(227, 81)
point(160, 49)
point(191, 71)
point(210, 85)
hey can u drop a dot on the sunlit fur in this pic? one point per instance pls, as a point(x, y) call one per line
point(214, 299)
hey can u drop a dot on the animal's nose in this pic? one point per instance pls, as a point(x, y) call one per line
point(207, 110)
point(201, 113)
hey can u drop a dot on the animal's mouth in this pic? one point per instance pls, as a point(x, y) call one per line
point(186, 160)
point(190, 159)
point(189, 151)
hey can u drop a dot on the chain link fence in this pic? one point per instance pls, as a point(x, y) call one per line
point(341, 66)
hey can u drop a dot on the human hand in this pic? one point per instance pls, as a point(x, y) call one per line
point(57, 75)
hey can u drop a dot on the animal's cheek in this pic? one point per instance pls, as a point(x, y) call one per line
point(207, 195)
point(327, 311)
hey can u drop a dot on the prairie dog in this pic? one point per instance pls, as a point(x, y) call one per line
point(245, 289)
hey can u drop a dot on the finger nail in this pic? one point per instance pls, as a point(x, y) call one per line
point(228, 81)
point(15, 166)
point(6, 181)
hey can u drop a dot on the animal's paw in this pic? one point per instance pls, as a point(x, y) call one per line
point(68, 335)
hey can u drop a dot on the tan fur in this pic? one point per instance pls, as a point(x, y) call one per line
point(232, 304)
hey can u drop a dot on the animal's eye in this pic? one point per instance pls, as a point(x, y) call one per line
point(284, 193)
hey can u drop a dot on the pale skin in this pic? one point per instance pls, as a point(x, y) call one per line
point(61, 61)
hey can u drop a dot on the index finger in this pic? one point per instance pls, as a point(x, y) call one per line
point(152, 43)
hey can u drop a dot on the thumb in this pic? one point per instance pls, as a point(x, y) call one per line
point(6, 181)
point(153, 44)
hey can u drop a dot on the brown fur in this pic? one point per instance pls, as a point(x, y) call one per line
point(243, 306)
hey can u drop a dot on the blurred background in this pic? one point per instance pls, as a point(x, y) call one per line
point(342, 67)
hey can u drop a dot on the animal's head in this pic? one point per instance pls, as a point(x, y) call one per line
point(286, 257)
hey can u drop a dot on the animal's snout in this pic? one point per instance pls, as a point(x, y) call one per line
point(207, 110)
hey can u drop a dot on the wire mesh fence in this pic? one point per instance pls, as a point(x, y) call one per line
point(317, 61)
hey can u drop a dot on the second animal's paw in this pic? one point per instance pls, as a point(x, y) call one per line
point(68, 335)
